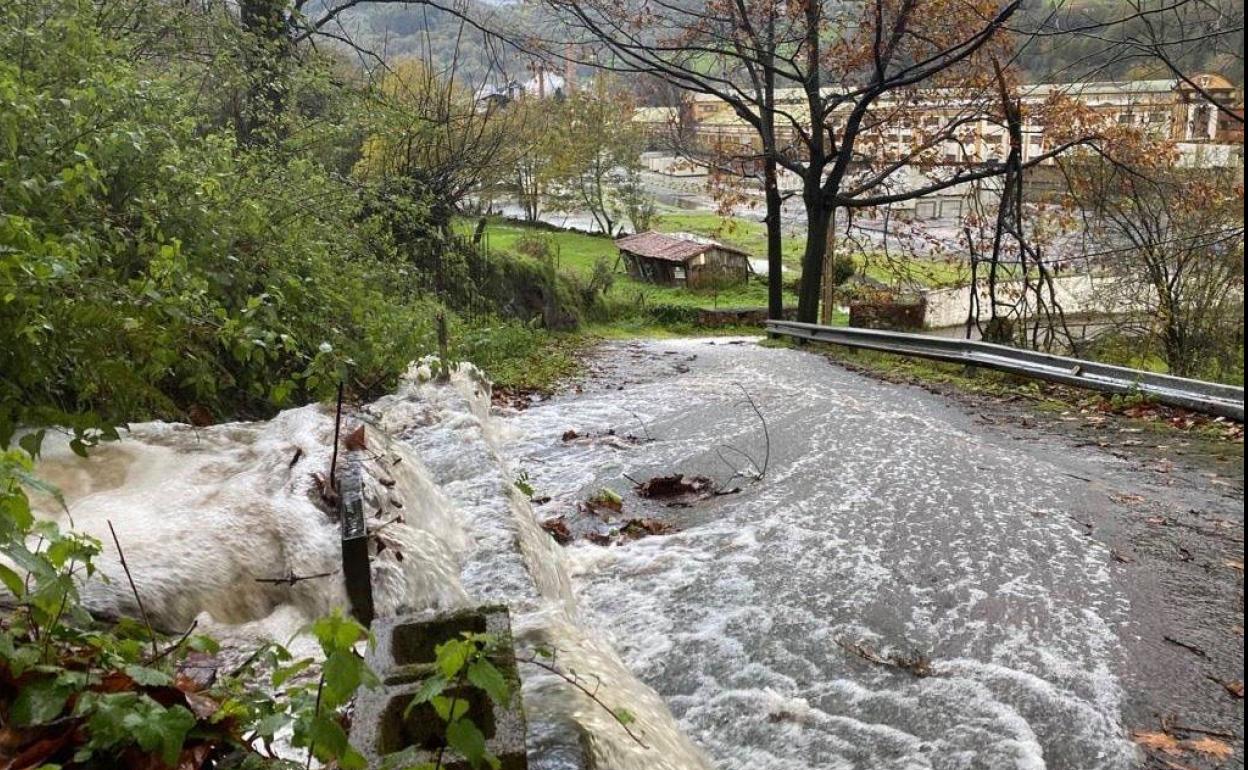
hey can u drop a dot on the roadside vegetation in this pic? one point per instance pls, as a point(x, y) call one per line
point(206, 217)
point(1111, 420)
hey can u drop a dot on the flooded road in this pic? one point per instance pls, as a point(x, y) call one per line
point(890, 522)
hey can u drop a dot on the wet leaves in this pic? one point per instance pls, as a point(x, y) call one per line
point(1168, 744)
point(632, 529)
point(606, 501)
point(1157, 741)
point(609, 438)
point(200, 416)
point(1210, 747)
point(516, 398)
point(676, 490)
point(914, 662)
point(173, 721)
point(1234, 689)
point(638, 528)
point(558, 529)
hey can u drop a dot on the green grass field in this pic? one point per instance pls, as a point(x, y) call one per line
point(574, 250)
point(577, 252)
point(752, 236)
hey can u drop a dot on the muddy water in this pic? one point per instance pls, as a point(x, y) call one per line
point(889, 519)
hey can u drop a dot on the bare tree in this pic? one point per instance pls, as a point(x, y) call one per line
point(1171, 241)
point(1180, 39)
point(859, 71)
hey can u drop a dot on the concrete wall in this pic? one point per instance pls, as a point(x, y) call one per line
point(1075, 293)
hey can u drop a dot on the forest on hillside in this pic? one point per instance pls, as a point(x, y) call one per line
point(1060, 55)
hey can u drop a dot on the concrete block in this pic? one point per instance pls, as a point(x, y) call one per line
point(404, 657)
point(406, 644)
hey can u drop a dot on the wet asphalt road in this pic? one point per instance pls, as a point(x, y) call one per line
point(1061, 596)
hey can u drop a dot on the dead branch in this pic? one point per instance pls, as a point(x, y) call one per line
point(766, 433)
point(333, 459)
point(916, 663)
point(1169, 726)
point(574, 680)
point(130, 578)
point(642, 423)
point(181, 640)
point(292, 578)
point(1187, 646)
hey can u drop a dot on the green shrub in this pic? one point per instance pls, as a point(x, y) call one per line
point(672, 314)
point(149, 265)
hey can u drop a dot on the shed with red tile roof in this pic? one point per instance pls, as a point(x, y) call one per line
point(680, 259)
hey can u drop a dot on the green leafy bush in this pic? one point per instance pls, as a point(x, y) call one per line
point(153, 267)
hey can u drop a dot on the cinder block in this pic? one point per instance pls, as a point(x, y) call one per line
point(407, 644)
point(403, 657)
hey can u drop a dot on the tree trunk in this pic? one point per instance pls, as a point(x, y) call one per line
point(829, 273)
point(775, 245)
point(269, 49)
point(818, 221)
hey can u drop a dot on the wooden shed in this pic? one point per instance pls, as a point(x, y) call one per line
point(682, 260)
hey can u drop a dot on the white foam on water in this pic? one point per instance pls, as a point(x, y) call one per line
point(884, 520)
point(511, 559)
point(202, 513)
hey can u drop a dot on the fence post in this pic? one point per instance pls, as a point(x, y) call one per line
point(356, 573)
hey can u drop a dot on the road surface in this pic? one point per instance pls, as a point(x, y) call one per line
point(1046, 600)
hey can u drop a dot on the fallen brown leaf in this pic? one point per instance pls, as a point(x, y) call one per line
point(1157, 741)
point(355, 440)
point(201, 705)
point(1210, 747)
point(1236, 688)
point(558, 529)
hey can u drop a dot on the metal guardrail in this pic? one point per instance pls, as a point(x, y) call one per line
point(1207, 397)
